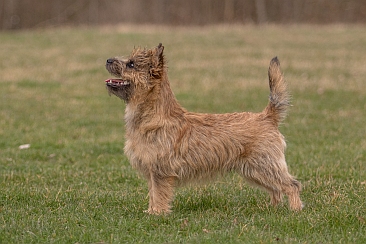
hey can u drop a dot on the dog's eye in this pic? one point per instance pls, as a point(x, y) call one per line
point(130, 64)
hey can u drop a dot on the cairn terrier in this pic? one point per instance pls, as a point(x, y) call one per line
point(170, 146)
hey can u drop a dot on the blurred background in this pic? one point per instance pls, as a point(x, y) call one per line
point(23, 14)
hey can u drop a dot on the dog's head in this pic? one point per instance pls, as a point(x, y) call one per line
point(136, 75)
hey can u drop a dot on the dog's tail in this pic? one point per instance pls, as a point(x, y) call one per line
point(279, 99)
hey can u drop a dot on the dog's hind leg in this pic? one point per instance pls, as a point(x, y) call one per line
point(275, 180)
point(276, 196)
point(293, 193)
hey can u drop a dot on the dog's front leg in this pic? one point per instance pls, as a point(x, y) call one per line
point(151, 199)
point(161, 192)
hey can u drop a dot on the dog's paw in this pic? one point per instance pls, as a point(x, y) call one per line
point(155, 211)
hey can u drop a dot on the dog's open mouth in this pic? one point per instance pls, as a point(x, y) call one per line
point(117, 82)
point(119, 87)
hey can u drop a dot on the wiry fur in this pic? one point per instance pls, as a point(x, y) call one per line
point(170, 146)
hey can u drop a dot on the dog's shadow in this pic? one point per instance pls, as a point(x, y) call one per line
point(211, 198)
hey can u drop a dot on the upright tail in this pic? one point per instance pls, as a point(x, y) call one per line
point(279, 99)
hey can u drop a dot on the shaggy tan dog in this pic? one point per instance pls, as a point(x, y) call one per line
point(170, 146)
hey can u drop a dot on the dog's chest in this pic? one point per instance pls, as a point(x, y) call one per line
point(144, 149)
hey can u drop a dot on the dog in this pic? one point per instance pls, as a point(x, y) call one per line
point(171, 146)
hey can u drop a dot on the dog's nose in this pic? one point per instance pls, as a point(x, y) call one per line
point(110, 61)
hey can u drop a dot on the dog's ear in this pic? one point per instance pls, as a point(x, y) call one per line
point(159, 54)
point(157, 68)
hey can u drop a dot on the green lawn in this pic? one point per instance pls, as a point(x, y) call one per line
point(74, 184)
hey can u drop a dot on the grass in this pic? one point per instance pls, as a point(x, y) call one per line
point(74, 184)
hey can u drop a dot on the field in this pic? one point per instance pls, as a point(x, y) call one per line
point(74, 184)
